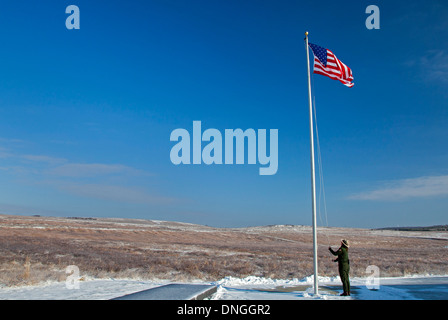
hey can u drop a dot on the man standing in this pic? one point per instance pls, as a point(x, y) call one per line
point(344, 265)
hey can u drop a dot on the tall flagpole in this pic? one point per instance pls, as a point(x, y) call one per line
point(313, 176)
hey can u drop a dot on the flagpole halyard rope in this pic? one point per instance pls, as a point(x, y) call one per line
point(319, 160)
point(321, 197)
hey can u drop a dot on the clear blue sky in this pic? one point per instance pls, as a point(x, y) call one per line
point(86, 115)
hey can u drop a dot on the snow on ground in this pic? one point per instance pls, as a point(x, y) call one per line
point(98, 289)
point(393, 288)
point(249, 288)
point(258, 288)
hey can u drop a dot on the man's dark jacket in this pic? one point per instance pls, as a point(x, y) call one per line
point(342, 258)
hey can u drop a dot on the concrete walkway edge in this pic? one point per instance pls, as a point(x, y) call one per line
point(172, 292)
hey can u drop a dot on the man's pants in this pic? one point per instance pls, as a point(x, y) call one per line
point(343, 273)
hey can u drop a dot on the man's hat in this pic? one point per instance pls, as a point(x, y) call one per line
point(345, 243)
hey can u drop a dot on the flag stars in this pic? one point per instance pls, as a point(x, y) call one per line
point(320, 53)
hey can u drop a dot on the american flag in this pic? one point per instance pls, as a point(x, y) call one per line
point(326, 63)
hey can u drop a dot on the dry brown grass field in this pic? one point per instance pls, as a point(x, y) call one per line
point(37, 249)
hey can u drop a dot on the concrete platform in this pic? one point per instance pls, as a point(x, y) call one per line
point(173, 292)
